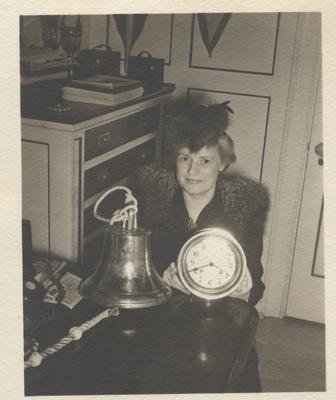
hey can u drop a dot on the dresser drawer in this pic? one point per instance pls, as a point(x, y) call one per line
point(104, 138)
point(111, 171)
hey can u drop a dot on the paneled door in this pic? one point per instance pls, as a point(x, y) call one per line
point(306, 290)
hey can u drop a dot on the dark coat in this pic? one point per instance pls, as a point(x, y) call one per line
point(244, 206)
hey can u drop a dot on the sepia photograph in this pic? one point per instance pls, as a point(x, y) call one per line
point(171, 202)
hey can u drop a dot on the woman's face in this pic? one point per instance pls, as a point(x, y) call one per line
point(197, 172)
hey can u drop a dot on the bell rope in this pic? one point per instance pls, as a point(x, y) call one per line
point(122, 215)
point(75, 333)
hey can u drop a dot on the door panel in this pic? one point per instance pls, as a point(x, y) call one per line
point(306, 290)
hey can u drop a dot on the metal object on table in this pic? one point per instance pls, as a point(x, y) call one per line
point(125, 275)
point(59, 107)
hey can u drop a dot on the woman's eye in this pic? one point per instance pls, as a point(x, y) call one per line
point(183, 158)
point(206, 161)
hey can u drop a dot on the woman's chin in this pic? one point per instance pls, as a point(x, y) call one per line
point(194, 190)
point(192, 187)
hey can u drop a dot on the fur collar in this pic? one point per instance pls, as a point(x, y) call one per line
point(244, 200)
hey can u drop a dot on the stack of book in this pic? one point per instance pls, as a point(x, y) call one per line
point(103, 89)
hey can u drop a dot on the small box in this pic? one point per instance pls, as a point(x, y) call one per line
point(97, 61)
point(147, 69)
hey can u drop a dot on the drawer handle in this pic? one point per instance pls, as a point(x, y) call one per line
point(142, 156)
point(104, 139)
point(103, 176)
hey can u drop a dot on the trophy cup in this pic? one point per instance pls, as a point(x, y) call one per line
point(70, 40)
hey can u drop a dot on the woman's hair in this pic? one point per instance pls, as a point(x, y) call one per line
point(204, 126)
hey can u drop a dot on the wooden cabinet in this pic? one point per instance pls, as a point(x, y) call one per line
point(69, 160)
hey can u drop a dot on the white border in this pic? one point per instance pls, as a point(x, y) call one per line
point(11, 385)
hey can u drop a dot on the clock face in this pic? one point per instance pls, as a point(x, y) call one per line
point(211, 264)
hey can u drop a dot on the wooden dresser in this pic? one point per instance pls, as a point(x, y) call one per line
point(69, 159)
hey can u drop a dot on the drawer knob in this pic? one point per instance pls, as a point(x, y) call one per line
point(103, 139)
point(142, 156)
point(104, 174)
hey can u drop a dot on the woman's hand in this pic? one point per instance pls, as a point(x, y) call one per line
point(171, 277)
point(243, 290)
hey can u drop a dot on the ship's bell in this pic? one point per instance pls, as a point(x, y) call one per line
point(125, 275)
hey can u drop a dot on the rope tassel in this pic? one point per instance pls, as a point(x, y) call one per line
point(75, 333)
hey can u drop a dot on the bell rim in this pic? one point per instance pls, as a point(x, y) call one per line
point(123, 301)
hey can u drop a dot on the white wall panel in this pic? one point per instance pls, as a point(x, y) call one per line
point(248, 127)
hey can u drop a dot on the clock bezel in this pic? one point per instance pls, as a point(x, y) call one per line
point(228, 287)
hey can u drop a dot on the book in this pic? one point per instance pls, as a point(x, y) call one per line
point(67, 280)
point(103, 98)
point(70, 283)
point(113, 83)
point(33, 78)
point(111, 90)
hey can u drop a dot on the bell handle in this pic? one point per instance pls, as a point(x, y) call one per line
point(129, 198)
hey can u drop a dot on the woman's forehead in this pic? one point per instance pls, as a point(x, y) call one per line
point(205, 151)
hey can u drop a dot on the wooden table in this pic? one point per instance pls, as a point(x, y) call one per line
point(183, 346)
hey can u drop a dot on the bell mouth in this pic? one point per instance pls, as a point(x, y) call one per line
point(109, 298)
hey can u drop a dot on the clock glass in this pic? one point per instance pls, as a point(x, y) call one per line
point(211, 264)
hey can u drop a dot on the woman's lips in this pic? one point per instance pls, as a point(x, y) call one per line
point(193, 180)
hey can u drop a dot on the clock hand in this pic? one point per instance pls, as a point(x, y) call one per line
point(214, 265)
point(211, 264)
point(197, 268)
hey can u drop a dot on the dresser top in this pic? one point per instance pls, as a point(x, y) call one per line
point(36, 98)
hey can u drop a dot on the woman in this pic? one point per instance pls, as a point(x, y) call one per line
point(198, 194)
